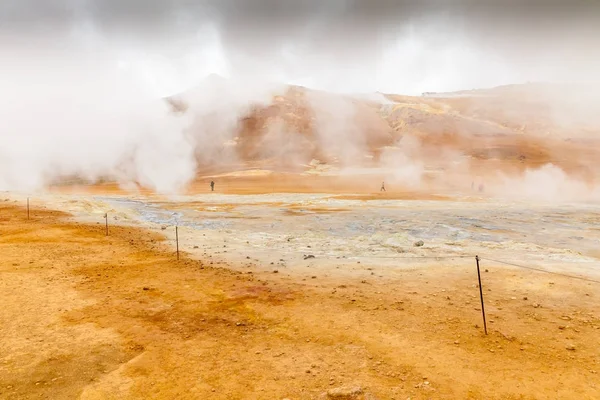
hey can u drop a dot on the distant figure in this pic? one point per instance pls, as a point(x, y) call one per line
point(212, 186)
point(382, 187)
point(481, 187)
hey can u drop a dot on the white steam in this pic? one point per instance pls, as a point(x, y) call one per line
point(88, 101)
point(79, 115)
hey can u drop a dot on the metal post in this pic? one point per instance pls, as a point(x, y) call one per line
point(177, 240)
point(28, 208)
point(106, 218)
point(481, 295)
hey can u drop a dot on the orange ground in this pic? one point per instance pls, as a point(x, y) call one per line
point(95, 317)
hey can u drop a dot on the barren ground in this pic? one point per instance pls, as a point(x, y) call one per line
point(94, 317)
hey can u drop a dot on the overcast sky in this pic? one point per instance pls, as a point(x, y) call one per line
point(351, 46)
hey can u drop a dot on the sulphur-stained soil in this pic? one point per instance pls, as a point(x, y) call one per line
point(94, 317)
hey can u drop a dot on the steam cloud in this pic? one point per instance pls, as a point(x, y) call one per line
point(83, 81)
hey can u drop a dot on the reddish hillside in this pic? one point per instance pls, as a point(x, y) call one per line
point(510, 128)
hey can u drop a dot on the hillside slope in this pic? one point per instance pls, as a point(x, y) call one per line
point(506, 129)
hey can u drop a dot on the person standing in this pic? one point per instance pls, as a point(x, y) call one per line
point(382, 187)
point(212, 186)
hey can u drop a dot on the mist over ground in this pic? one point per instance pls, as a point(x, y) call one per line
point(84, 82)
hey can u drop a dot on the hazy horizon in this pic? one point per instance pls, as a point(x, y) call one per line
point(81, 78)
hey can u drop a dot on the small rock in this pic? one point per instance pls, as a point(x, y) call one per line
point(308, 256)
point(195, 247)
point(275, 271)
point(562, 327)
point(570, 347)
point(420, 243)
point(146, 288)
point(525, 298)
point(344, 393)
point(456, 342)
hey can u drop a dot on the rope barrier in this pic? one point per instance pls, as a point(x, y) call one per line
point(541, 270)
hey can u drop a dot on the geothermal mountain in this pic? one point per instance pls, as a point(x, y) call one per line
point(509, 128)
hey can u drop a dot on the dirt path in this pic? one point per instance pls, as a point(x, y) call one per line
point(119, 318)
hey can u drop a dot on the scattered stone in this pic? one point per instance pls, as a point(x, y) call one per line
point(420, 243)
point(344, 393)
point(456, 342)
point(313, 277)
point(525, 298)
point(536, 305)
point(306, 257)
point(570, 347)
point(486, 270)
point(146, 288)
point(562, 327)
point(275, 271)
point(195, 247)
